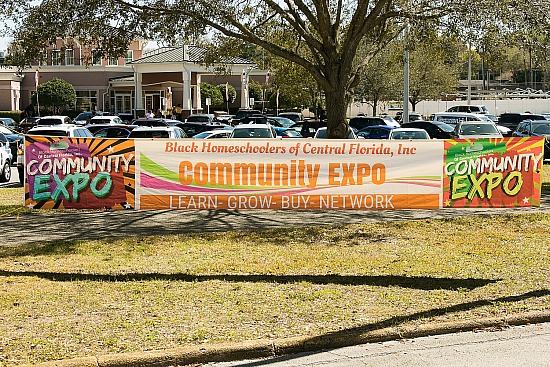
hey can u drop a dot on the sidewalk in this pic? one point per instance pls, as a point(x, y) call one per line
point(116, 224)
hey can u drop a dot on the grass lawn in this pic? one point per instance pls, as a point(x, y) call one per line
point(81, 298)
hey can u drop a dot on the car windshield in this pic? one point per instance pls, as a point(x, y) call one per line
point(283, 121)
point(542, 129)
point(478, 129)
point(49, 121)
point(100, 121)
point(251, 133)
point(49, 132)
point(408, 135)
point(202, 135)
point(198, 119)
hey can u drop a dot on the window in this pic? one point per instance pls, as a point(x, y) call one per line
point(96, 57)
point(129, 56)
point(113, 60)
point(56, 57)
point(86, 100)
point(69, 56)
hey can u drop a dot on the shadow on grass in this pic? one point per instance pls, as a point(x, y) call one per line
point(350, 337)
point(424, 283)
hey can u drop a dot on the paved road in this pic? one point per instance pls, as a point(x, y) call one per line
point(519, 346)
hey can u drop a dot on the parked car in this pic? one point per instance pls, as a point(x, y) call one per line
point(322, 133)
point(360, 122)
point(408, 133)
point(114, 131)
point(171, 132)
point(194, 128)
point(476, 130)
point(452, 118)
point(67, 130)
point(294, 116)
point(469, 109)
point(281, 121)
point(436, 129)
point(201, 117)
point(308, 128)
point(150, 122)
point(375, 132)
point(83, 118)
point(535, 128)
point(512, 119)
point(127, 118)
point(253, 131)
point(14, 138)
point(287, 132)
point(241, 115)
point(214, 134)
point(6, 159)
point(8, 122)
point(28, 123)
point(54, 120)
point(112, 120)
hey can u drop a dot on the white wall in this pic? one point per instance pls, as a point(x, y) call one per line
point(496, 107)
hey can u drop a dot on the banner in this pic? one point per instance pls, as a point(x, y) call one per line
point(493, 173)
point(314, 174)
point(79, 173)
point(289, 174)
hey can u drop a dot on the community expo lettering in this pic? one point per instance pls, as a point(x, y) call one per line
point(482, 175)
point(295, 173)
point(76, 173)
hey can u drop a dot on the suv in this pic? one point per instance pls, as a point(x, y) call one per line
point(360, 122)
point(67, 130)
point(535, 128)
point(201, 118)
point(253, 131)
point(512, 119)
point(113, 120)
point(168, 132)
point(294, 116)
point(54, 120)
point(242, 115)
point(5, 159)
point(469, 109)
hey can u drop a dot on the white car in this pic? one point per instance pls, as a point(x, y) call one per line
point(68, 130)
point(322, 133)
point(476, 130)
point(54, 120)
point(254, 131)
point(156, 132)
point(213, 134)
point(452, 118)
point(111, 120)
point(408, 133)
point(5, 159)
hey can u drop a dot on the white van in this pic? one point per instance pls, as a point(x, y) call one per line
point(452, 118)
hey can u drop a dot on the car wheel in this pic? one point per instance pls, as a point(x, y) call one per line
point(5, 175)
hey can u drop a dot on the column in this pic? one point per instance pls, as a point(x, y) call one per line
point(197, 96)
point(186, 103)
point(139, 111)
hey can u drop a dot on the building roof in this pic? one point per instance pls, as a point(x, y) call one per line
point(191, 54)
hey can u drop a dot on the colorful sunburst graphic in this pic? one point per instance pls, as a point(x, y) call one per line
point(79, 173)
point(493, 173)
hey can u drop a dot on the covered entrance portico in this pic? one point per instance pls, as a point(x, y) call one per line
point(170, 77)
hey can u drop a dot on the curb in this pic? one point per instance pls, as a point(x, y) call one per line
point(264, 348)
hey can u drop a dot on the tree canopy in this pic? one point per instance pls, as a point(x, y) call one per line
point(56, 95)
point(323, 37)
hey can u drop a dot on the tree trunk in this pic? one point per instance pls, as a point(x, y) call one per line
point(337, 106)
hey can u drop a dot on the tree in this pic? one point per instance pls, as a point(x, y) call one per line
point(430, 75)
point(323, 37)
point(212, 92)
point(56, 94)
point(381, 79)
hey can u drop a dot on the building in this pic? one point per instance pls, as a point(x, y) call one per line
point(163, 78)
